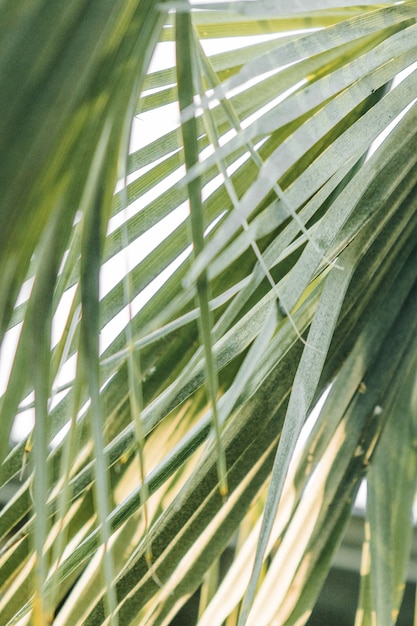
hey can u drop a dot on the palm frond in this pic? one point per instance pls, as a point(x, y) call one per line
point(182, 305)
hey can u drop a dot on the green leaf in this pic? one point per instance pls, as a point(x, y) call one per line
point(390, 497)
point(180, 309)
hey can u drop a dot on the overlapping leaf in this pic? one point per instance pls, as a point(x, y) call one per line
point(303, 275)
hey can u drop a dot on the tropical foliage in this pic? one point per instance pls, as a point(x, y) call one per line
point(181, 302)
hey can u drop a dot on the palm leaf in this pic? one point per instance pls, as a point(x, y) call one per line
point(181, 306)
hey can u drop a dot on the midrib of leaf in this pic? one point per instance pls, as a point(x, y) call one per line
point(135, 376)
point(185, 51)
point(91, 253)
point(40, 340)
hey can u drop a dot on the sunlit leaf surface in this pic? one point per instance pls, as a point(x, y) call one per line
point(207, 221)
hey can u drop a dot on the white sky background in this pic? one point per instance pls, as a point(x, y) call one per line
point(146, 128)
